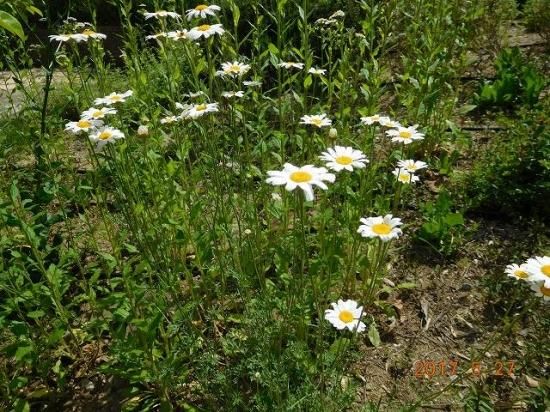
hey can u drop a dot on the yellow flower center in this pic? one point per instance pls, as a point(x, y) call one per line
point(84, 124)
point(381, 229)
point(546, 270)
point(345, 316)
point(201, 7)
point(88, 32)
point(344, 160)
point(115, 98)
point(405, 134)
point(316, 121)
point(98, 113)
point(300, 176)
point(404, 177)
point(201, 107)
point(235, 68)
point(521, 274)
point(203, 27)
point(105, 135)
point(544, 291)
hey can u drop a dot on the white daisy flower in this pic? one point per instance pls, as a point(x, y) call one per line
point(304, 177)
point(318, 120)
point(346, 314)
point(252, 83)
point(192, 96)
point(93, 35)
point(317, 71)
point(326, 22)
point(83, 125)
point(162, 13)
point(517, 271)
point(344, 158)
point(289, 65)
point(114, 98)
point(197, 110)
point(412, 166)
point(178, 35)
point(233, 69)
point(385, 228)
point(404, 176)
point(63, 38)
point(205, 30)
point(387, 122)
point(97, 114)
point(338, 14)
point(156, 36)
point(202, 11)
point(541, 289)
point(169, 119)
point(229, 95)
point(405, 135)
point(105, 135)
point(539, 269)
point(368, 120)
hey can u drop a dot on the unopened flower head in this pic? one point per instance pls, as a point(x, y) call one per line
point(304, 177)
point(541, 289)
point(233, 69)
point(105, 135)
point(206, 30)
point(517, 271)
point(317, 120)
point(404, 176)
point(114, 98)
point(316, 71)
point(539, 269)
point(411, 166)
point(198, 110)
point(291, 65)
point(346, 314)
point(344, 158)
point(202, 11)
point(94, 113)
point(405, 135)
point(143, 130)
point(83, 125)
point(368, 120)
point(162, 14)
point(385, 228)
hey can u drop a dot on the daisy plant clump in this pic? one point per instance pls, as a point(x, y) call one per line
point(381, 229)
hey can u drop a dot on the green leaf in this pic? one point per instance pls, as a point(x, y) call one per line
point(22, 351)
point(21, 405)
point(454, 219)
point(36, 314)
point(373, 335)
point(11, 24)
